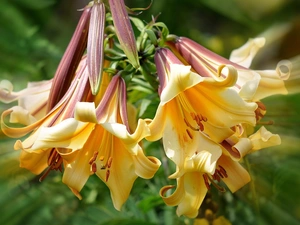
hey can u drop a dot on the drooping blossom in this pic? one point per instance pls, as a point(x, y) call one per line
point(98, 140)
point(252, 85)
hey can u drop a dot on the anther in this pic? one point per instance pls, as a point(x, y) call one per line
point(109, 162)
point(215, 176)
point(107, 175)
point(93, 158)
point(223, 171)
point(193, 115)
point(189, 133)
point(205, 177)
point(94, 168)
point(261, 106)
point(190, 126)
point(201, 126)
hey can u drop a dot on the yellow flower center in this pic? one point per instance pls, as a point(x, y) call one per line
point(193, 120)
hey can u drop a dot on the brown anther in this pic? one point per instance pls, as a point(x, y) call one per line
point(193, 115)
point(219, 174)
point(109, 162)
point(223, 171)
point(189, 125)
point(52, 156)
point(205, 177)
point(55, 163)
point(261, 106)
point(94, 168)
point(199, 118)
point(215, 176)
point(201, 126)
point(189, 133)
point(93, 158)
point(107, 175)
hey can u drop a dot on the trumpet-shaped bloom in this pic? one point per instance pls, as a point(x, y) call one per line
point(192, 186)
point(98, 141)
point(38, 160)
point(215, 163)
point(252, 85)
point(194, 109)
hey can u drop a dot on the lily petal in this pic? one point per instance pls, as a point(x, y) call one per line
point(263, 139)
point(237, 176)
point(245, 54)
point(188, 195)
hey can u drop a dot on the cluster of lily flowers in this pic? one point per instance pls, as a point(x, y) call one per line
point(208, 117)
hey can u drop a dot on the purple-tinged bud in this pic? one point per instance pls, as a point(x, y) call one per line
point(95, 48)
point(124, 31)
point(204, 61)
point(70, 60)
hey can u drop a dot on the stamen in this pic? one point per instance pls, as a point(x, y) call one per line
point(270, 122)
point(201, 126)
point(94, 167)
point(189, 125)
point(107, 175)
point(219, 174)
point(198, 119)
point(55, 163)
point(93, 158)
point(261, 106)
point(45, 174)
point(109, 162)
point(189, 133)
point(193, 115)
point(215, 176)
point(52, 156)
point(223, 171)
point(205, 177)
point(221, 189)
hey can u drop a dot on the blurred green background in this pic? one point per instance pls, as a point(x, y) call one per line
point(33, 36)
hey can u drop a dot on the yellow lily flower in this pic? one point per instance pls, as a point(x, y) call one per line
point(252, 85)
point(25, 114)
point(194, 109)
point(192, 186)
point(99, 141)
point(215, 163)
